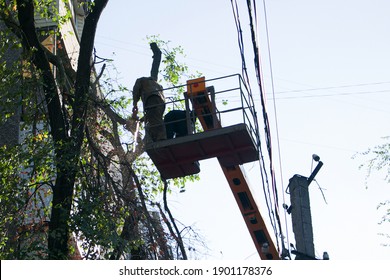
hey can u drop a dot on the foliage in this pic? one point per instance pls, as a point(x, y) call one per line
point(27, 173)
point(26, 167)
point(173, 70)
point(49, 10)
point(379, 160)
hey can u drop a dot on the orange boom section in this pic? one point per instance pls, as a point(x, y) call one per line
point(206, 112)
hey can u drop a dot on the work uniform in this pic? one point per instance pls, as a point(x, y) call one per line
point(151, 94)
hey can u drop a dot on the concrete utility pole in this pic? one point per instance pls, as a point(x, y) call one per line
point(301, 214)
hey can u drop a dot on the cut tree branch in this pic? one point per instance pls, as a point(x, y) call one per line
point(156, 61)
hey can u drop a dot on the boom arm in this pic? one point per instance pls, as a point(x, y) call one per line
point(206, 113)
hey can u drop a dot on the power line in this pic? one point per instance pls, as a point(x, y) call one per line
point(143, 47)
point(333, 94)
point(336, 94)
point(276, 120)
point(265, 119)
point(209, 65)
point(245, 76)
point(332, 87)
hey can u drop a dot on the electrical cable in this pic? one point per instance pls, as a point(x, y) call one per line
point(241, 44)
point(263, 171)
point(276, 119)
point(265, 119)
point(334, 87)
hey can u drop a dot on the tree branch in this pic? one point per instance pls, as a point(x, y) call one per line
point(39, 58)
point(83, 76)
point(178, 235)
point(161, 240)
point(156, 60)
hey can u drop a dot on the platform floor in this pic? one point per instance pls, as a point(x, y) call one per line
point(178, 157)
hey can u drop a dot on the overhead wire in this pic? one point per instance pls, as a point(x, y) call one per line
point(270, 203)
point(258, 72)
point(244, 72)
point(276, 124)
point(334, 94)
point(246, 79)
point(127, 49)
point(333, 87)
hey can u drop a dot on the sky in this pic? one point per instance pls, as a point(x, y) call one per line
point(326, 67)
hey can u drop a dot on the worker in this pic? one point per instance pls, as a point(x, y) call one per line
point(151, 93)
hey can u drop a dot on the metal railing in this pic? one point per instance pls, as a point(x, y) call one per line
point(231, 103)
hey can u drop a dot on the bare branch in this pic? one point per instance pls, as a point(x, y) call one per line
point(178, 235)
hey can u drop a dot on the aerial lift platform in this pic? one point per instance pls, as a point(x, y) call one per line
point(232, 145)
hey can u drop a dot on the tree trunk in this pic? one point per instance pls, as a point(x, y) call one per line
point(59, 232)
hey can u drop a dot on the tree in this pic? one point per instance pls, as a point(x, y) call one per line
point(379, 160)
point(136, 172)
point(67, 133)
point(103, 191)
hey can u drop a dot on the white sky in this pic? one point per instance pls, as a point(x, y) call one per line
point(331, 66)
